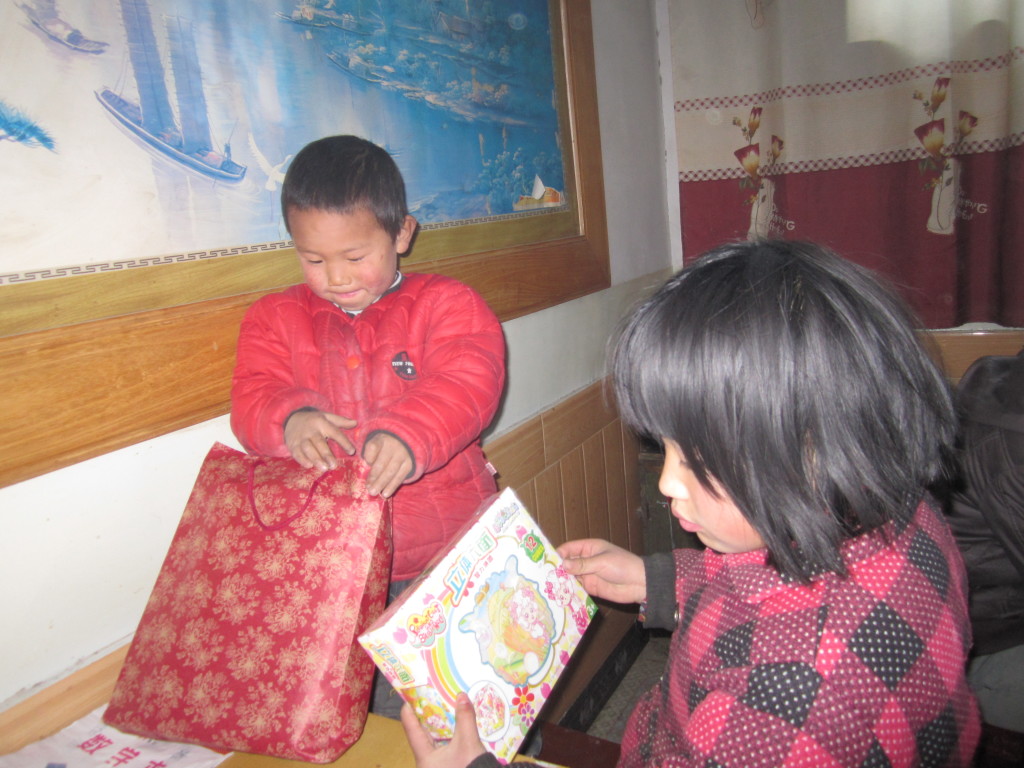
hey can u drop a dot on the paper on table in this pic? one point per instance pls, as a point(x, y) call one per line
point(89, 743)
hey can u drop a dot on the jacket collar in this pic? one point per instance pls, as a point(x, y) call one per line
point(395, 285)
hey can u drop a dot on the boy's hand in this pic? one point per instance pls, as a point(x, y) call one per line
point(605, 570)
point(307, 435)
point(390, 464)
point(464, 747)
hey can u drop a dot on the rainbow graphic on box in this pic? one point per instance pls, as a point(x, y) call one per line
point(496, 616)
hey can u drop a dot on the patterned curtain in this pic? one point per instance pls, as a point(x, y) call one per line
point(892, 132)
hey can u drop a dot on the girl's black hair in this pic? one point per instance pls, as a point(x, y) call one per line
point(342, 174)
point(796, 379)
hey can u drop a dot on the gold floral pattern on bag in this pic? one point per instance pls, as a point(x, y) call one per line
point(248, 641)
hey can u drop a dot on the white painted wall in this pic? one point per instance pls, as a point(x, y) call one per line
point(82, 546)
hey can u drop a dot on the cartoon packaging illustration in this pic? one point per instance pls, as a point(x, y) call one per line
point(496, 616)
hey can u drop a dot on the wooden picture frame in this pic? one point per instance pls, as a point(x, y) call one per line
point(96, 362)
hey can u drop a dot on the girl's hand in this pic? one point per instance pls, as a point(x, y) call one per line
point(605, 570)
point(464, 747)
point(307, 435)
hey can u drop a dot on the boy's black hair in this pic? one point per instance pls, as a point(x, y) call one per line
point(794, 378)
point(342, 174)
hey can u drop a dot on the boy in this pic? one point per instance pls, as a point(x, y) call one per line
point(406, 370)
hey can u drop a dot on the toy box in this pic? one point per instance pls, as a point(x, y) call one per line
point(496, 616)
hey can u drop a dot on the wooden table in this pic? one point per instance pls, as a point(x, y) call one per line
point(383, 745)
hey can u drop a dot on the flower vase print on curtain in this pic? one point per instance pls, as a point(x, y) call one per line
point(762, 190)
point(940, 166)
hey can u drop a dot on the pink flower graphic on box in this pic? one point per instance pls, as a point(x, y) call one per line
point(523, 699)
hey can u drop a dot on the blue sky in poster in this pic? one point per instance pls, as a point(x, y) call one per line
point(460, 91)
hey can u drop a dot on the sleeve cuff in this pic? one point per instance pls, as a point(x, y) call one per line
point(486, 760)
point(412, 472)
point(659, 610)
point(297, 410)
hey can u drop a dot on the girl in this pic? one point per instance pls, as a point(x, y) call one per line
point(825, 623)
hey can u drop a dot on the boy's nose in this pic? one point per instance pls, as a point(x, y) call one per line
point(338, 274)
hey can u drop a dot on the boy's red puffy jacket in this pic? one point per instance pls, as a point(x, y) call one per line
point(426, 362)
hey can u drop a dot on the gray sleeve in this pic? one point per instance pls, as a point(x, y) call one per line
point(486, 760)
point(660, 610)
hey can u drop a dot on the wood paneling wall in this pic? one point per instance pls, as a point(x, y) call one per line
point(954, 349)
point(573, 466)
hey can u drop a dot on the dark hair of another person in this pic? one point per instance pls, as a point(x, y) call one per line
point(796, 380)
point(342, 174)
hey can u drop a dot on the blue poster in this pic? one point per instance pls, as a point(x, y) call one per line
point(140, 128)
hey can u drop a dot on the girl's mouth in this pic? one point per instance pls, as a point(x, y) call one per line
point(687, 526)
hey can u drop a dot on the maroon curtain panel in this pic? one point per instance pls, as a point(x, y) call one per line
point(875, 215)
point(895, 138)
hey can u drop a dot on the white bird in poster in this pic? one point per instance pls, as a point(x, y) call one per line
point(275, 173)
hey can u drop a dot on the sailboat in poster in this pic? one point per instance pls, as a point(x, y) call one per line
point(44, 14)
point(187, 138)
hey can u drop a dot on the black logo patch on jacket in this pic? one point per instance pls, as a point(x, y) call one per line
point(403, 366)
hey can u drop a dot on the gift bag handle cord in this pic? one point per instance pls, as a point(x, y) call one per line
point(287, 520)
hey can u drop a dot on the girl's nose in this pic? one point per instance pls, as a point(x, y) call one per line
point(664, 481)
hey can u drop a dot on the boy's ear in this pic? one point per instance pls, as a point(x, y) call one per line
point(405, 235)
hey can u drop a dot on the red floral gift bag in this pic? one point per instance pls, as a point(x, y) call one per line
point(248, 641)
